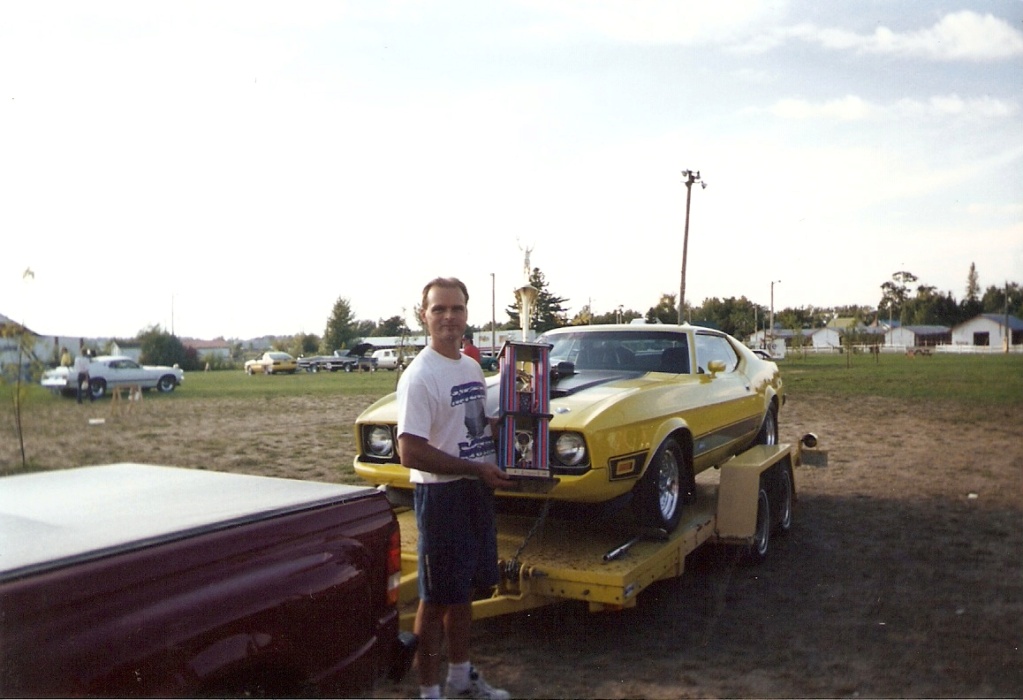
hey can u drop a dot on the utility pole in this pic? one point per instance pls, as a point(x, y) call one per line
point(770, 342)
point(691, 177)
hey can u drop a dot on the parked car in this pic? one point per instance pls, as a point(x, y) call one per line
point(393, 358)
point(272, 362)
point(637, 412)
point(108, 371)
point(489, 362)
point(349, 360)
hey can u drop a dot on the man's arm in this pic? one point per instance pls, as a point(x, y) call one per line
point(417, 453)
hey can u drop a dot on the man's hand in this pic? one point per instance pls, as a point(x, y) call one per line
point(495, 478)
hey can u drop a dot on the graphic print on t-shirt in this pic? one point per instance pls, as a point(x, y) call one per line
point(479, 443)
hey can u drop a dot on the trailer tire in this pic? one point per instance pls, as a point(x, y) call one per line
point(667, 484)
point(756, 551)
point(784, 497)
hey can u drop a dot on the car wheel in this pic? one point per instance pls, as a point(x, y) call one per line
point(166, 384)
point(348, 368)
point(667, 483)
point(756, 552)
point(783, 497)
point(768, 434)
point(98, 388)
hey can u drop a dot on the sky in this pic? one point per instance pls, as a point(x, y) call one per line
point(232, 169)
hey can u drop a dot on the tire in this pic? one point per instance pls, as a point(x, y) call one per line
point(784, 495)
point(166, 384)
point(348, 368)
point(768, 434)
point(98, 388)
point(756, 552)
point(667, 484)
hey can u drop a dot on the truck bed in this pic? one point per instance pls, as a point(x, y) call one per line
point(43, 527)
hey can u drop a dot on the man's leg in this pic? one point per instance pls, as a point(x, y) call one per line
point(457, 625)
point(429, 627)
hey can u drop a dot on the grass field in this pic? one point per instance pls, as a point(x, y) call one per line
point(996, 379)
point(975, 379)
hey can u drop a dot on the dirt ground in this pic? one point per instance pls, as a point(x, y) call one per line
point(902, 576)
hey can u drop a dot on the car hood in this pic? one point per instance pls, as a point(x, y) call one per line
point(571, 394)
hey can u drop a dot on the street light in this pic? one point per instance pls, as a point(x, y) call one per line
point(691, 177)
point(770, 343)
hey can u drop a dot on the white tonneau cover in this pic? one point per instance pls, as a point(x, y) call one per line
point(55, 516)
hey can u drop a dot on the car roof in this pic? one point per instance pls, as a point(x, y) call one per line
point(627, 329)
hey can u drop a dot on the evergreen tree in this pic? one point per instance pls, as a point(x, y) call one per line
point(340, 331)
point(548, 310)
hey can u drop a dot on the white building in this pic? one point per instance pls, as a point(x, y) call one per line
point(917, 336)
point(988, 330)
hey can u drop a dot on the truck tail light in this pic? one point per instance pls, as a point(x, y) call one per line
point(394, 565)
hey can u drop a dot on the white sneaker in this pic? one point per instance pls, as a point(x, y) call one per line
point(477, 688)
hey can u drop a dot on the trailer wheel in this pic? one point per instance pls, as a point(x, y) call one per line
point(667, 484)
point(756, 552)
point(784, 494)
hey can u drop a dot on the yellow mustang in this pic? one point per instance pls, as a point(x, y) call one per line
point(637, 411)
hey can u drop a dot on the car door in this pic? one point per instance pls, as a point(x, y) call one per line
point(125, 371)
point(730, 401)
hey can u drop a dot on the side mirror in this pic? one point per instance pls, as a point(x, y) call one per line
point(715, 366)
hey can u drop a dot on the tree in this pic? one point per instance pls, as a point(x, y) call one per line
point(162, 348)
point(666, 310)
point(994, 300)
point(583, 317)
point(733, 316)
point(972, 284)
point(340, 331)
point(395, 325)
point(303, 344)
point(895, 293)
point(548, 310)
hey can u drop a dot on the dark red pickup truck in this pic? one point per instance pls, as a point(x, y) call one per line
point(133, 580)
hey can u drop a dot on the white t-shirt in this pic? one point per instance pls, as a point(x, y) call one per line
point(444, 401)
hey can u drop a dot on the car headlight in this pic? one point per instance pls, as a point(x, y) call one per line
point(570, 449)
point(379, 441)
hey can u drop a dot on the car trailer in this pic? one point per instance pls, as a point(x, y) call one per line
point(607, 564)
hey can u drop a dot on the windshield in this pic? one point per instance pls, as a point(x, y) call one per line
point(635, 351)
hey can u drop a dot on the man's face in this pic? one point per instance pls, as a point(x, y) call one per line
point(445, 314)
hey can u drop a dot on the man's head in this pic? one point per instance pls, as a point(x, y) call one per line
point(449, 283)
point(445, 314)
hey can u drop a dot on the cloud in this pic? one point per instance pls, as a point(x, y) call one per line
point(649, 22)
point(960, 36)
point(853, 108)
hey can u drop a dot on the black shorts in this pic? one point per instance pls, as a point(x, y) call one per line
point(457, 540)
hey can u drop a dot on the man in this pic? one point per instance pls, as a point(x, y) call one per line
point(469, 349)
point(445, 439)
point(81, 371)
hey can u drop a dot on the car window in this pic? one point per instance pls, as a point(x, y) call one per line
point(710, 347)
point(634, 351)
